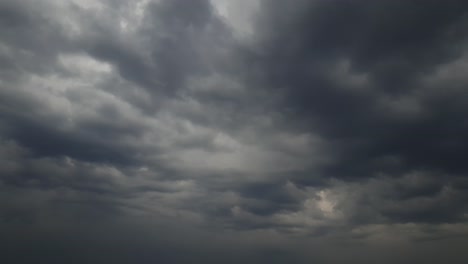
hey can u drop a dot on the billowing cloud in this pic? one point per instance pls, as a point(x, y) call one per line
point(212, 131)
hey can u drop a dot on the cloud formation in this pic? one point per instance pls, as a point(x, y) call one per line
point(233, 131)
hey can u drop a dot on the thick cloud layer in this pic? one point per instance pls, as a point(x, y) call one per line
point(174, 131)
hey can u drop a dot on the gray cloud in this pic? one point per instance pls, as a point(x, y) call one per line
point(233, 131)
point(359, 78)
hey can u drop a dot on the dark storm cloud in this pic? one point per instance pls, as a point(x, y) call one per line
point(366, 76)
point(355, 73)
point(178, 40)
point(170, 46)
point(231, 131)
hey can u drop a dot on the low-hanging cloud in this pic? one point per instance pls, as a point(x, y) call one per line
point(233, 131)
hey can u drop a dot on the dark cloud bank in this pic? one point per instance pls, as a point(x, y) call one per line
point(220, 131)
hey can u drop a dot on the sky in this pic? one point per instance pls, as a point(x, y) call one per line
point(233, 131)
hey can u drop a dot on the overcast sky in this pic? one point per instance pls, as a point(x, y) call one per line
point(233, 131)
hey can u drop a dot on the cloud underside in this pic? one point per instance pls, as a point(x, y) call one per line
point(270, 131)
